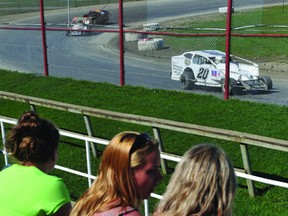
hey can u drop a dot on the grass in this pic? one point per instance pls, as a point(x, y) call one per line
point(267, 20)
point(233, 114)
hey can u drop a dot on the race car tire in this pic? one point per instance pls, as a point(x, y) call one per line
point(150, 44)
point(99, 21)
point(67, 33)
point(232, 83)
point(267, 81)
point(135, 36)
point(186, 80)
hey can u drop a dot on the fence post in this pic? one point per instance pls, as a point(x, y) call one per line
point(228, 40)
point(90, 133)
point(247, 168)
point(44, 44)
point(157, 135)
point(121, 42)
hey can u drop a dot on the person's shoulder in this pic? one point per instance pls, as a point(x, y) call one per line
point(119, 212)
point(129, 211)
point(14, 170)
point(52, 183)
point(133, 213)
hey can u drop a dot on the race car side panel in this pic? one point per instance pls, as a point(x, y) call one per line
point(178, 65)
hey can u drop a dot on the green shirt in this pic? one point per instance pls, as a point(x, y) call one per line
point(27, 191)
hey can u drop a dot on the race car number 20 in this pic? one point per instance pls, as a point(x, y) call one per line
point(203, 73)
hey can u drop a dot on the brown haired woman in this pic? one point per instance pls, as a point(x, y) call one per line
point(128, 173)
point(26, 189)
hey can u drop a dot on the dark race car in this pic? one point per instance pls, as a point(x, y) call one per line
point(98, 16)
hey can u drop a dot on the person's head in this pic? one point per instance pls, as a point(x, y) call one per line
point(204, 183)
point(33, 140)
point(128, 173)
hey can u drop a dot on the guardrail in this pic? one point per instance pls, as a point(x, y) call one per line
point(244, 139)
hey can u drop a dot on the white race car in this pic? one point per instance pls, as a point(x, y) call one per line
point(79, 24)
point(207, 68)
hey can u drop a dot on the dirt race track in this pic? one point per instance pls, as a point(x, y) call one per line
point(276, 70)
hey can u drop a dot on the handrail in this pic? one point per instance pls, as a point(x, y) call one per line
point(234, 136)
point(167, 156)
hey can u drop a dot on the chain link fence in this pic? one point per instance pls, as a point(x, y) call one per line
point(90, 40)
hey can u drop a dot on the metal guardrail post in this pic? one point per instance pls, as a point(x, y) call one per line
point(3, 139)
point(90, 133)
point(88, 160)
point(146, 207)
point(33, 108)
point(247, 167)
point(157, 135)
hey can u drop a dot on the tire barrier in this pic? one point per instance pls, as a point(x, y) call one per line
point(135, 36)
point(151, 27)
point(150, 44)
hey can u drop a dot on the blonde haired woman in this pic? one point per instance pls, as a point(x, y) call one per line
point(204, 183)
point(128, 173)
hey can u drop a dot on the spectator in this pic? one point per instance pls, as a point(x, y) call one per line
point(128, 173)
point(204, 183)
point(26, 189)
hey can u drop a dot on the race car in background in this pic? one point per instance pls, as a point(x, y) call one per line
point(98, 16)
point(87, 21)
point(207, 68)
point(78, 25)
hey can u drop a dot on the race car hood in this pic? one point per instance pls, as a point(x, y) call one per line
point(241, 69)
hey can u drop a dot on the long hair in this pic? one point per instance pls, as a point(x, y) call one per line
point(33, 139)
point(204, 183)
point(115, 184)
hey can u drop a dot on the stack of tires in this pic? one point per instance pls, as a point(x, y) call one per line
point(135, 36)
point(150, 44)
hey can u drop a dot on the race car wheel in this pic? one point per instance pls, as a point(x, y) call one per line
point(267, 81)
point(101, 21)
point(187, 80)
point(232, 82)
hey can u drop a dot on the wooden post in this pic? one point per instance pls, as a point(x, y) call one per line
point(90, 133)
point(157, 135)
point(247, 168)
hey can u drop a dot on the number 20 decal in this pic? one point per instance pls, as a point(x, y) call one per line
point(203, 73)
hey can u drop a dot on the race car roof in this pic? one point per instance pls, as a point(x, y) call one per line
point(209, 53)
